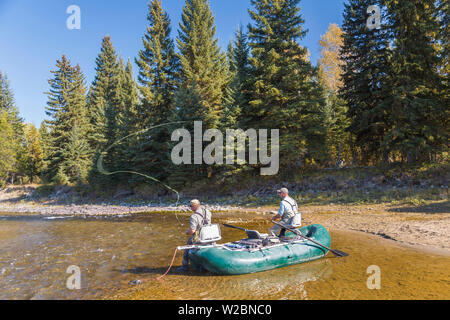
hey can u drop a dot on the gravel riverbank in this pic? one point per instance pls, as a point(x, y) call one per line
point(426, 225)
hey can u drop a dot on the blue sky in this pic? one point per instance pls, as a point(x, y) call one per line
point(33, 34)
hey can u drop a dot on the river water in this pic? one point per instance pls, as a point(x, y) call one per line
point(36, 252)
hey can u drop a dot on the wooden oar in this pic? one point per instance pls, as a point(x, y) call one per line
point(337, 253)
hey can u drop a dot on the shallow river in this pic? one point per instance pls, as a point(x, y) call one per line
point(35, 253)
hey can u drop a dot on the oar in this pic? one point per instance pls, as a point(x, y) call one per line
point(252, 234)
point(337, 253)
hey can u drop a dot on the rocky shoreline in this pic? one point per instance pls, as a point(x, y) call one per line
point(425, 225)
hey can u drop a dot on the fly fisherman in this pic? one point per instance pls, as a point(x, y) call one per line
point(200, 218)
point(288, 210)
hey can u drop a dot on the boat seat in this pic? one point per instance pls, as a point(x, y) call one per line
point(311, 231)
point(253, 234)
point(209, 234)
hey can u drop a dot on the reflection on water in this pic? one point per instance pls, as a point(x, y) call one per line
point(35, 253)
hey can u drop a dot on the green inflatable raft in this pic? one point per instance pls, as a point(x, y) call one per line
point(256, 255)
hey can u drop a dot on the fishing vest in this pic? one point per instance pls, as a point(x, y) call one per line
point(204, 217)
point(296, 220)
point(293, 206)
point(206, 233)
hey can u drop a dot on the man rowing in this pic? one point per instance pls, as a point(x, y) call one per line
point(287, 212)
point(200, 218)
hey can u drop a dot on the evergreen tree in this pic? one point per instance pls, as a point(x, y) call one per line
point(203, 66)
point(158, 78)
point(103, 95)
point(443, 15)
point(129, 101)
point(203, 79)
point(365, 55)
point(44, 138)
point(106, 104)
point(126, 122)
point(444, 39)
point(7, 148)
point(68, 124)
point(77, 157)
point(415, 108)
point(285, 94)
point(8, 105)
point(237, 97)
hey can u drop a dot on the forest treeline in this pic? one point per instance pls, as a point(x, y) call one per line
point(375, 96)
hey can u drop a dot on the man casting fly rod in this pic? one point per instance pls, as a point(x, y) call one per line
point(257, 252)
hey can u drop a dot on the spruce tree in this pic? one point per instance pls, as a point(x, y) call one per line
point(158, 79)
point(365, 55)
point(68, 124)
point(44, 138)
point(444, 69)
point(125, 123)
point(103, 94)
point(7, 149)
point(415, 108)
point(204, 77)
point(237, 97)
point(285, 94)
point(8, 105)
point(203, 66)
point(129, 102)
point(105, 108)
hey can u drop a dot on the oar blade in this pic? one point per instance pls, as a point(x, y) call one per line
point(339, 253)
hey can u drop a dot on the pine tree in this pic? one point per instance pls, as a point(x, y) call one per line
point(103, 95)
point(44, 138)
point(68, 124)
point(203, 66)
point(237, 97)
point(106, 105)
point(77, 156)
point(415, 108)
point(158, 78)
point(285, 94)
point(125, 124)
point(365, 55)
point(7, 149)
point(203, 79)
point(129, 102)
point(8, 105)
point(444, 38)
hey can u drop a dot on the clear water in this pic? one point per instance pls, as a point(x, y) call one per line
point(35, 253)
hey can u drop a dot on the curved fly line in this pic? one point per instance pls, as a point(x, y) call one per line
point(103, 171)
